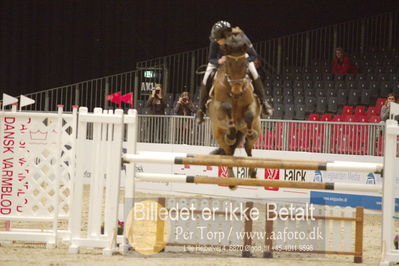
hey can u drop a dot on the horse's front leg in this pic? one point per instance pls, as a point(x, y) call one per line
point(231, 135)
point(248, 149)
point(249, 119)
point(250, 138)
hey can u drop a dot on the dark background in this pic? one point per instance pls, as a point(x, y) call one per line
point(44, 44)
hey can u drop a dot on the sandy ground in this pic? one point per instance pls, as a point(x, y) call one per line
point(37, 254)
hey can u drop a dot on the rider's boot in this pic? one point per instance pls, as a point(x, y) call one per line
point(204, 95)
point(267, 109)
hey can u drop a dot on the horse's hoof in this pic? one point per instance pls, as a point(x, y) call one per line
point(233, 187)
point(218, 151)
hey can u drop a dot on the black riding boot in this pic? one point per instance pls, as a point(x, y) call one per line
point(267, 109)
point(204, 95)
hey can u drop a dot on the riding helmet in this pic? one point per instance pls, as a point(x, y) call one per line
point(219, 30)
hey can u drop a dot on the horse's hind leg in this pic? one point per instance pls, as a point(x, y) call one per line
point(221, 151)
point(230, 137)
point(224, 148)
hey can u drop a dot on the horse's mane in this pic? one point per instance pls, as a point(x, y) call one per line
point(235, 44)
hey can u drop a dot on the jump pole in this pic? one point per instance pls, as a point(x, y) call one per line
point(175, 178)
point(250, 162)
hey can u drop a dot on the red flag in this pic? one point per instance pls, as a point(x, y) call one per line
point(127, 98)
point(114, 97)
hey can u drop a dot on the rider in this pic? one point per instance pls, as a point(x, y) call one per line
point(220, 31)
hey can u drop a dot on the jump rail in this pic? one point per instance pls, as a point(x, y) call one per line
point(150, 177)
point(250, 162)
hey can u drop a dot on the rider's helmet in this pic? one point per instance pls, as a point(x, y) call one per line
point(220, 29)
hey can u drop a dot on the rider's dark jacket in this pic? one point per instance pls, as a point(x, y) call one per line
point(215, 52)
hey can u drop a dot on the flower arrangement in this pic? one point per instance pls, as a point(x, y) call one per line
point(121, 225)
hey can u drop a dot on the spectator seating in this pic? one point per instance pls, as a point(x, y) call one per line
point(379, 75)
point(326, 117)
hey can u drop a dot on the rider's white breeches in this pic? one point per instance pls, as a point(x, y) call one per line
point(252, 69)
point(209, 68)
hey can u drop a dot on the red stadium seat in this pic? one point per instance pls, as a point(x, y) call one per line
point(379, 103)
point(349, 118)
point(360, 110)
point(347, 110)
point(374, 119)
point(372, 111)
point(326, 117)
point(361, 118)
point(313, 117)
point(338, 118)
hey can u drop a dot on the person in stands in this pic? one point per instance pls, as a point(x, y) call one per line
point(155, 101)
point(156, 125)
point(342, 64)
point(184, 126)
point(385, 108)
point(220, 31)
point(184, 106)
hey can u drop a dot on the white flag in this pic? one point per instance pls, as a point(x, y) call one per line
point(25, 101)
point(7, 99)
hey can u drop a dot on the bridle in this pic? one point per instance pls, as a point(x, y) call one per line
point(235, 81)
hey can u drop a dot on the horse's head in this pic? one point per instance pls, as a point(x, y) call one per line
point(236, 64)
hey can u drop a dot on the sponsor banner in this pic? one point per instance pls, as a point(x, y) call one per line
point(273, 174)
point(297, 175)
point(15, 169)
point(348, 200)
point(323, 176)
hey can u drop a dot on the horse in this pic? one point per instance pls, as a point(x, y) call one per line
point(233, 108)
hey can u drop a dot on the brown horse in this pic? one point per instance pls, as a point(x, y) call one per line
point(234, 109)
